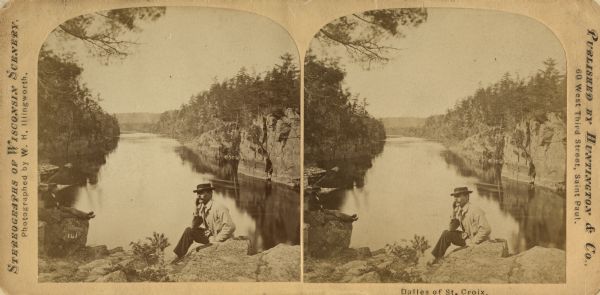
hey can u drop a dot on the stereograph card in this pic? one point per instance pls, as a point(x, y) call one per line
point(299, 147)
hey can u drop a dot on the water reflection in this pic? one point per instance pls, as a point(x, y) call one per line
point(405, 191)
point(79, 168)
point(539, 211)
point(274, 207)
point(146, 185)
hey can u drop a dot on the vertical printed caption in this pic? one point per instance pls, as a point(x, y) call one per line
point(584, 141)
point(17, 152)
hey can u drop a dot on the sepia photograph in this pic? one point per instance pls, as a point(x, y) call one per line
point(169, 148)
point(435, 149)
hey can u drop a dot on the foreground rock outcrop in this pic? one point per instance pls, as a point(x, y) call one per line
point(489, 263)
point(329, 259)
point(231, 261)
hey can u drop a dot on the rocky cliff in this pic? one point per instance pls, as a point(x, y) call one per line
point(533, 152)
point(269, 140)
point(536, 152)
point(274, 140)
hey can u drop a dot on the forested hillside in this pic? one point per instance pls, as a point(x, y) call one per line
point(235, 100)
point(70, 121)
point(336, 123)
point(503, 105)
point(251, 117)
point(519, 123)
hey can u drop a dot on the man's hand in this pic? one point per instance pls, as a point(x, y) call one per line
point(213, 240)
point(196, 221)
point(470, 242)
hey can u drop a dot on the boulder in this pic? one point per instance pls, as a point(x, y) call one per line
point(92, 278)
point(221, 262)
point(115, 250)
point(46, 277)
point(326, 235)
point(115, 276)
point(279, 264)
point(488, 263)
point(488, 249)
point(61, 234)
point(126, 263)
point(364, 252)
point(355, 268)
point(96, 264)
point(96, 252)
point(539, 265)
point(370, 277)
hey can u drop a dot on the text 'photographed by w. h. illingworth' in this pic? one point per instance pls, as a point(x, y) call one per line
point(169, 148)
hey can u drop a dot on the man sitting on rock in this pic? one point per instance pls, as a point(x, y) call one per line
point(475, 227)
point(211, 223)
point(50, 201)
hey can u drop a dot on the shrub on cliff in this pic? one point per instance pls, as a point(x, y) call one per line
point(151, 253)
point(409, 251)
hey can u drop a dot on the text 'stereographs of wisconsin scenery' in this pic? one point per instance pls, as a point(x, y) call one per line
point(393, 147)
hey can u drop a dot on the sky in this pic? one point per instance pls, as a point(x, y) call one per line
point(448, 57)
point(180, 54)
point(443, 60)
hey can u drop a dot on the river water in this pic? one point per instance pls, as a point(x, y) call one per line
point(146, 185)
point(406, 189)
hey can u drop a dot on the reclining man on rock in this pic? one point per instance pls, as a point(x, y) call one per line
point(475, 227)
point(211, 223)
point(50, 201)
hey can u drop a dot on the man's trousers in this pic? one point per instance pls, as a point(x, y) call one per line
point(190, 235)
point(448, 237)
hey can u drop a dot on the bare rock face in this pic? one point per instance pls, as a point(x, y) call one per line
point(272, 139)
point(279, 264)
point(326, 234)
point(533, 152)
point(480, 264)
point(115, 277)
point(60, 234)
point(230, 262)
point(488, 263)
point(217, 143)
point(270, 143)
point(539, 264)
